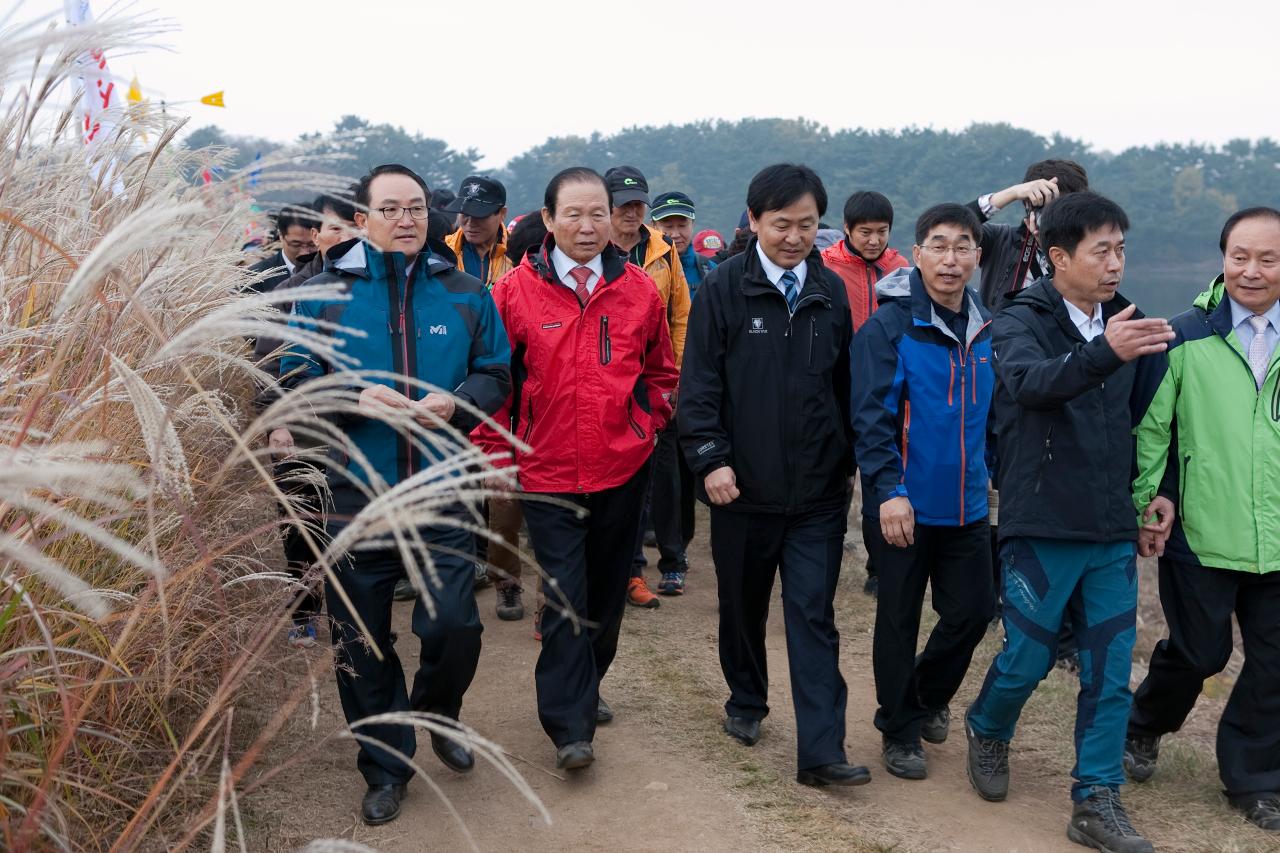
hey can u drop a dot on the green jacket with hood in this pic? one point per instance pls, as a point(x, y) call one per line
point(1210, 442)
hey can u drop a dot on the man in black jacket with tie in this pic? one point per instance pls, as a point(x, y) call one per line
point(764, 424)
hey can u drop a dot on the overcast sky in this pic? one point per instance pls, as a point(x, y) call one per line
point(502, 75)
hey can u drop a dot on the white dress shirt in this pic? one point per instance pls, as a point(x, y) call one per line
point(288, 264)
point(773, 272)
point(1244, 331)
point(565, 264)
point(1090, 327)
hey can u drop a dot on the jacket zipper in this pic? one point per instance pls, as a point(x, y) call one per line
point(528, 425)
point(606, 345)
point(813, 334)
point(1045, 456)
point(906, 436)
point(404, 354)
point(635, 425)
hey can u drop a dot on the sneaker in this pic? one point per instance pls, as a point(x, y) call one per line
point(483, 581)
point(639, 594)
point(988, 765)
point(1100, 822)
point(905, 760)
point(872, 586)
point(537, 624)
point(404, 591)
point(937, 725)
point(303, 636)
point(672, 583)
point(1140, 754)
point(509, 607)
point(1264, 813)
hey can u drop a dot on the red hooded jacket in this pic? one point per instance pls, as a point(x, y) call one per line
point(591, 384)
point(860, 277)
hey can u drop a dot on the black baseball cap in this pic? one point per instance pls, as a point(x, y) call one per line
point(626, 185)
point(479, 196)
point(672, 204)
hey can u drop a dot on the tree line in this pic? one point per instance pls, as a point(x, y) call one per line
point(1177, 195)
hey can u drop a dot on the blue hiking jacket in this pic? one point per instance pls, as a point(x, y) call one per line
point(920, 402)
point(441, 326)
point(696, 268)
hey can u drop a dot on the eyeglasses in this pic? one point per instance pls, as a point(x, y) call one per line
point(963, 252)
point(394, 214)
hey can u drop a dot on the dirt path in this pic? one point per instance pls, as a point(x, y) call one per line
point(666, 778)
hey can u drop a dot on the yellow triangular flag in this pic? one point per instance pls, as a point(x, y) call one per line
point(135, 91)
point(214, 100)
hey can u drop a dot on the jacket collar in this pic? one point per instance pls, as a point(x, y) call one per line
point(905, 283)
point(358, 258)
point(1217, 307)
point(455, 242)
point(1044, 297)
point(612, 260)
point(755, 282)
point(851, 256)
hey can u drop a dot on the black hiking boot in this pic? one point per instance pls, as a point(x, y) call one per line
point(988, 765)
point(509, 607)
point(1140, 754)
point(1263, 812)
point(905, 760)
point(1101, 822)
point(937, 726)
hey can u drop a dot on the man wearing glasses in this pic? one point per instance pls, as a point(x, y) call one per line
point(295, 225)
point(420, 317)
point(922, 382)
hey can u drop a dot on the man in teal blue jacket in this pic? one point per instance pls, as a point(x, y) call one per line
point(423, 319)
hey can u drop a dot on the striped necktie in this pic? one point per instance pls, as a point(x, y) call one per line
point(581, 275)
point(790, 289)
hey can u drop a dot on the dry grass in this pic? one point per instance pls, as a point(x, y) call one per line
point(137, 527)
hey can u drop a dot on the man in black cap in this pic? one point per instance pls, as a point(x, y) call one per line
point(479, 248)
point(480, 243)
point(673, 214)
point(648, 249)
point(672, 482)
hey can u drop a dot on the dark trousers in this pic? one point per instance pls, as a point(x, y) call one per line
point(587, 561)
point(955, 562)
point(1198, 603)
point(665, 506)
point(748, 550)
point(292, 476)
point(449, 654)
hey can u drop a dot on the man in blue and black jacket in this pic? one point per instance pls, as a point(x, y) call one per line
point(417, 317)
point(922, 382)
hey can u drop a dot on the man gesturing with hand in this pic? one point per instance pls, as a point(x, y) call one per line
point(764, 425)
point(1066, 351)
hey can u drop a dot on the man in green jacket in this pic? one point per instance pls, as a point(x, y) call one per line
point(1209, 448)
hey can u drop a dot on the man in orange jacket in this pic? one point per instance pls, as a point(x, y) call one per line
point(593, 375)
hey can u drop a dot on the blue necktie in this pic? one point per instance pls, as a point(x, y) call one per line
point(791, 289)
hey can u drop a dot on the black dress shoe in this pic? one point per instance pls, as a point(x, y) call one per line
point(838, 773)
point(575, 756)
point(381, 804)
point(745, 731)
point(454, 755)
point(604, 714)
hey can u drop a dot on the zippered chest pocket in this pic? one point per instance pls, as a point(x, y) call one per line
point(816, 343)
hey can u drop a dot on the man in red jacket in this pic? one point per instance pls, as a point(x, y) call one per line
point(861, 259)
point(593, 375)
